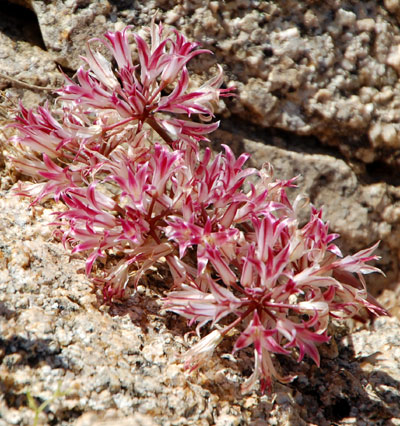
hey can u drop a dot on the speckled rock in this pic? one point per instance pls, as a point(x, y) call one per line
point(111, 418)
point(368, 213)
point(67, 25)
point(327, 69)
point(23, 59)
point(120, 364)
point(326, 75)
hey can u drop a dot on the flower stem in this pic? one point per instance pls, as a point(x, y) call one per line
point(238, 320)
point(155, 126)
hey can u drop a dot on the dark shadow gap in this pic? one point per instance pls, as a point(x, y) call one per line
point(379, 171)
point(367, 174)
point(33, 352)
point(277, 137)
point(20, 24)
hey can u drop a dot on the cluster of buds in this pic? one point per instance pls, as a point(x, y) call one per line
point(122, 151)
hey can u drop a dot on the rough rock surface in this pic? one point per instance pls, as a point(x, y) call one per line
point(367, 213)
point(23, 58)
point(318, 95)
point(323, 68)
point(321, 72)
point(120, 364)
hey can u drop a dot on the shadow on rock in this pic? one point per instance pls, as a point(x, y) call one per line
point(18, 350)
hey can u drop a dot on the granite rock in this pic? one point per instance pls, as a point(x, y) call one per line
point(324, 72)
point(368, 212)
point(23, 58)
point(328, 69)
point(120, 364)
point(318, 97)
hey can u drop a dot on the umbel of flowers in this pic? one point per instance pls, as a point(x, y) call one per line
point(121, 151)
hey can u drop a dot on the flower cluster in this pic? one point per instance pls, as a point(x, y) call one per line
point(122, 152)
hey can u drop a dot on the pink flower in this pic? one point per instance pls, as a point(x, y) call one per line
point(211, 246)
point(200, 306)
point(40, 131)
point(122, 153)
point(135, 92)
point(264, 342)
point(264, 370)
point(300, 335)
point(202, 351)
